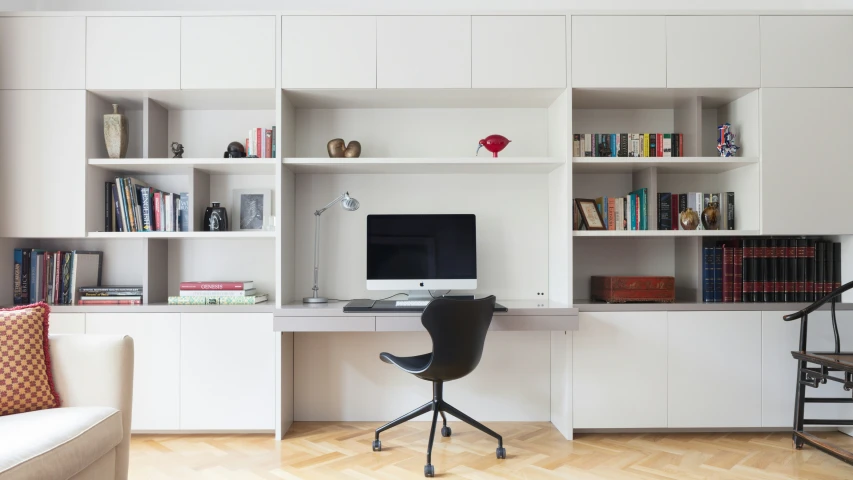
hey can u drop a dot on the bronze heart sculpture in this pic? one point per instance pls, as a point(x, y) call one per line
point(337, 149)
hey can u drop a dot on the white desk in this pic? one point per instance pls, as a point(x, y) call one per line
point(522, 315)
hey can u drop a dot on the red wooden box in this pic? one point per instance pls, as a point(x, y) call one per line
point(633, 289)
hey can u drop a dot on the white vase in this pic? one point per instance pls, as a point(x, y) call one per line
point(115, 133)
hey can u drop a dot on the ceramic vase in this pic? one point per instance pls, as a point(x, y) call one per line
point(689, 219)
point(711, 216)
point(215, 218)
point(115, 133)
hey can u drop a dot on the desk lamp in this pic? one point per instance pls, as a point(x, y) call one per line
point(347, 203)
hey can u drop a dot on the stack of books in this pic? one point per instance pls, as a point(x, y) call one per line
point(132, 206)
point(111, 295)
point(218, 293)
point(770, 270)
point(261, 143)
point(53, 277)
point(630, 212)
point(670, 206)
point(628, 145)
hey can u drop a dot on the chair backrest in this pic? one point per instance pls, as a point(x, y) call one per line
point(458, 329)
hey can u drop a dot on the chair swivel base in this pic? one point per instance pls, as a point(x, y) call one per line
point(438, 407)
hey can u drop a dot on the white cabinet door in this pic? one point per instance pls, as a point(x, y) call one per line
point(135, 53)
point(227, 52)
point(806, 51)
point(156, 366)
point(712, 52)
point(328, 52)
point(619, 370)
point(778, 382)
point(67, 323)
point(714, 369)
point(518, 51)
point(613, 51)
point(227, 371)
point(423, 52)
point(43, 163)
point(43, 52)
point(791, 175)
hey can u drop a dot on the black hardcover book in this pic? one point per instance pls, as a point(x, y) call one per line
point(836, 267)
point(811, 268)
point(674, 149)
point(759, 270)
point(746, 294)
point(108, 207)
point(801, 270)
point(653, 149)
point(829, 274)
point(730, 210)
point(623, 144)
point(718, 274)
point(770, 271)
point(791, 289)
point(781, 268)
point(820, 269)
point(664, 211)
point(25, 276)
point(708, 259)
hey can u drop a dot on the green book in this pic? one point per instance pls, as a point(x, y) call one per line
point(642, 197)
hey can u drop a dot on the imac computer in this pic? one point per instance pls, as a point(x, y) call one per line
point(419, 253)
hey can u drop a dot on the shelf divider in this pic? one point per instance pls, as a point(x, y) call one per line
point(155, 130)
point(199, 198)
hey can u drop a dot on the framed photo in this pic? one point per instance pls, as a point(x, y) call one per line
point(589, 213)
point(252, 207)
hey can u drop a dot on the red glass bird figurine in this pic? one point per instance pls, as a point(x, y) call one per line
point(494, 144)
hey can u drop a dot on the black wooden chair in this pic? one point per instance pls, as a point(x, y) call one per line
point(458, 330)
point(827, 362)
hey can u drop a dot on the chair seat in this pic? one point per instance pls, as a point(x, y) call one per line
point(415, 364)
point(842, 361)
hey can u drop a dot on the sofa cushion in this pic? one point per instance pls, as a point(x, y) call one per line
point(26, 380)
point(56, 443)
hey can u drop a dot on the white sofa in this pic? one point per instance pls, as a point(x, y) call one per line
point(88, 437)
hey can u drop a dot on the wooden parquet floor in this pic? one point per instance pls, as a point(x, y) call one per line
point(534, 451)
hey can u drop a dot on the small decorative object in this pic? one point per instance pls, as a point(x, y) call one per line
point(253, 208)
point(604, 150)
point(633, 289)
point(494, 144)
point(215, 218)
point(337, 148)
point(689, 219)
point(235, 150)
point(115, 133)
point(589, 213)
point(178, 150)
point(349, 204)
point(725, 141)
point(711, 214)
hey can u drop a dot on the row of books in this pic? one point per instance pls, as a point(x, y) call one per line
point(111, 295)
point(261, 143)
point(217, 293)
point(630, 212)
point(671, 205)
point(130, 205)
point(770, 270)
point(628, 145)
point(53, 277)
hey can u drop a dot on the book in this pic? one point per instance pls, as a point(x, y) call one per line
point(781, 269)
point(791, 281)
point(718, 274)
point(728, 274)
point(759, 270)
point(829, 255)
point(801, 270)
point(184, 201)
point(217, 285)
point(729, 211)
point(811, 268)
point(122, 195)
point(274, 151)
point(108, 207)
point(145, 199)
point(820, 269)
point(249, 300)
point(652, 145)
point(202, 300)
point(675, 151)
point(746, 265)
point(664, 211)
point(576, 145)
point(134, 186)
point(623, 145)
point(667, 145)
point(17, 289)
point(109, 301)
point(619, 211)
point(642, 206)
point(220, 293)
point(708, 260)
point(770, 271)
point(836, 267)
point(259, 142)
point(118, 218)
point(112, 289)
point(737, 294)
point(67, 263)
point(611, 213)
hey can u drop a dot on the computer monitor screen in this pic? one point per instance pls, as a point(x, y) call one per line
point(421, 252)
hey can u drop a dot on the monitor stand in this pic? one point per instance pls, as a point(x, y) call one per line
point(419, 295)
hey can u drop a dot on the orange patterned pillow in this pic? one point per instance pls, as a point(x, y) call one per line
point(26, 382)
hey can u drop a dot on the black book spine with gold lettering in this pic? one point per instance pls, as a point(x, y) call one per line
point(759, 267)
point(746, 265)
point(781, 268)
point(836, 267)
point(820, 269)
point(791, 288)
point(770, 271)
point(801, 270)
point(811, 269)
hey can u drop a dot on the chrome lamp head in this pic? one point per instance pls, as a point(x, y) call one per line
point(349, 204)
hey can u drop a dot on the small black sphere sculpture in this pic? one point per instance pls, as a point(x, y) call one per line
point(235, 150)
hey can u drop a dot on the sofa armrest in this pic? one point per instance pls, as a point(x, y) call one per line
point(96, 370)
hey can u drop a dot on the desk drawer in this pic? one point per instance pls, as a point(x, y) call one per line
point(325, 324)
point(411, 323)
point(554, 323)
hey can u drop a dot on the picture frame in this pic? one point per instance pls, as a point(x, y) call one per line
point(251, 209)
point(590, 214)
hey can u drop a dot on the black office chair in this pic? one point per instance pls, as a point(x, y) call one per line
point(458, 330)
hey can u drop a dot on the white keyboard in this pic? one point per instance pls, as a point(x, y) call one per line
point(412, 303)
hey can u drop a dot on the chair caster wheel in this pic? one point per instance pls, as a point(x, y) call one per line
point(429, 471)
point(500, 452)
point(445, 431)
point(377, 446)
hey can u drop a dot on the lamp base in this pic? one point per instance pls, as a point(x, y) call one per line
point(315, 300)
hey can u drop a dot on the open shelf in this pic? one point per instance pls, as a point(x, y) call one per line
point(425, 165)
point(240, 234)
point(227, 99)
point(423, 97)
point(653, 98)
point(663, 165)
point(664, 233)
point(177, 166)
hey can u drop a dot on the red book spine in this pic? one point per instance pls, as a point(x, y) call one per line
point(738, 275)
point(674, 215)
point(659, 144)
point(267, 143)
point(212, 286)
point(259, 142)
point(156, 211)
point(747, 259)
point(680, 144)
point(728, 274)
point(56, 280)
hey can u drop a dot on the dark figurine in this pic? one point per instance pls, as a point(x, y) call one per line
point(604, 150)
point(178, 150)
point(235, 150)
